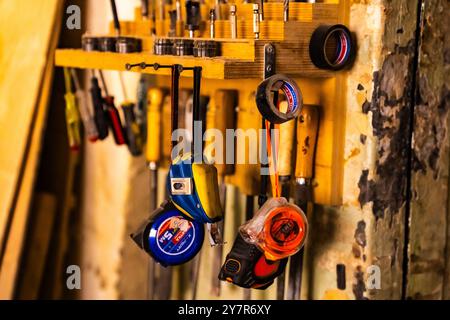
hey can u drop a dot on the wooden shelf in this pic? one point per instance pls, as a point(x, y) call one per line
point(292, 59)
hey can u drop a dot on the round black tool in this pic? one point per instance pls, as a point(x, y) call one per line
point(107, 44)
point(169, 237)
point(128, 45)
point(271, 86)
point(163, 47)
point(332, 47)
point(89, 43)
point(183, 47)
point(206, 48)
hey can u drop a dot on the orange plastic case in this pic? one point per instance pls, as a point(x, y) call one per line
point(278, 228)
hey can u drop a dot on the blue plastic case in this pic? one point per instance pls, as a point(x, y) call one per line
point(173, 239)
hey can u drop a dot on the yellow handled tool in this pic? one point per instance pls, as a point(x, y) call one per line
point(221, 115)
point(72, 116)
point(285, 168)
point(153, 149)
point(307, 129)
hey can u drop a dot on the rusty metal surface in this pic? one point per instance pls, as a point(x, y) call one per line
point(428, 268)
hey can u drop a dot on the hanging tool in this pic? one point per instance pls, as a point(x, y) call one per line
point(261, 10)
point(153, 157)
point(100, 116)
point(212, 21)
point(220, 116)
point(307, 129)
point(90, 128)
point(192, 17)
point(256, 20)
point(113, 114)
point(144, 9)
point(72, 117)
point(115, 17)
point(285, 10)
point(131, 128)
point(193, 184)
point(169, 237)
point(285, 157)
point(142, 106)
point(233, 21)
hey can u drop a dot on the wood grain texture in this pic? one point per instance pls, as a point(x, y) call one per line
point(26, 119)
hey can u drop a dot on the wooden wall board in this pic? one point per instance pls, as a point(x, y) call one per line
point(26, 120)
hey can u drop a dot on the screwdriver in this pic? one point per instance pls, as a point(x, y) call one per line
point(72, 117)
point(287, 134)
point(221, 115)
point(141, 107)
point(307, 129)
point(132, 130)
point(100, 117)
point(113, 114)
point(144, 9)
point(86, 115)
point(153, 156)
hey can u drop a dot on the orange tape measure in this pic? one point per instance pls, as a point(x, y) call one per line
point(284, 232)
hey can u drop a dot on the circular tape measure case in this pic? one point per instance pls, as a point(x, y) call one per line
point(169, 237)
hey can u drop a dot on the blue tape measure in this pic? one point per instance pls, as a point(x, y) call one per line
point(173, 239)
point(169, 237)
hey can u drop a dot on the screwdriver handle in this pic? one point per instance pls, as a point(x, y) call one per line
point(221, 115)
point(85, 112)
point(287, 136)
point(307, 129)
point(115, 17)
point(72, 116)
point(86, 117)
point(153, 149)
point(114, 121)
point(72, 122)
point(132, 130)
point(99, 113)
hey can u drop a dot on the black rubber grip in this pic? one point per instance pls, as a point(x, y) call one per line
point(266, 91)
point(134, 139)
point(332, 47)
point(100, 117)
point(114, 121)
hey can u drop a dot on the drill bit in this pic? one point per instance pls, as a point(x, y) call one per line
point(212, 20)
point(261, 10)
point(286, 10)
point(256, 20)
point(233, 22)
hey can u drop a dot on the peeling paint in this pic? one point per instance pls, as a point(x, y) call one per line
point(359, 287)
point(390, 109)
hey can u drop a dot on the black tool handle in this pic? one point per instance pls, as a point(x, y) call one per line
point(132, 131)
point(174, 90)
point(115, 17)
point(144, 8)
point(100, 118)
point(114, 121)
